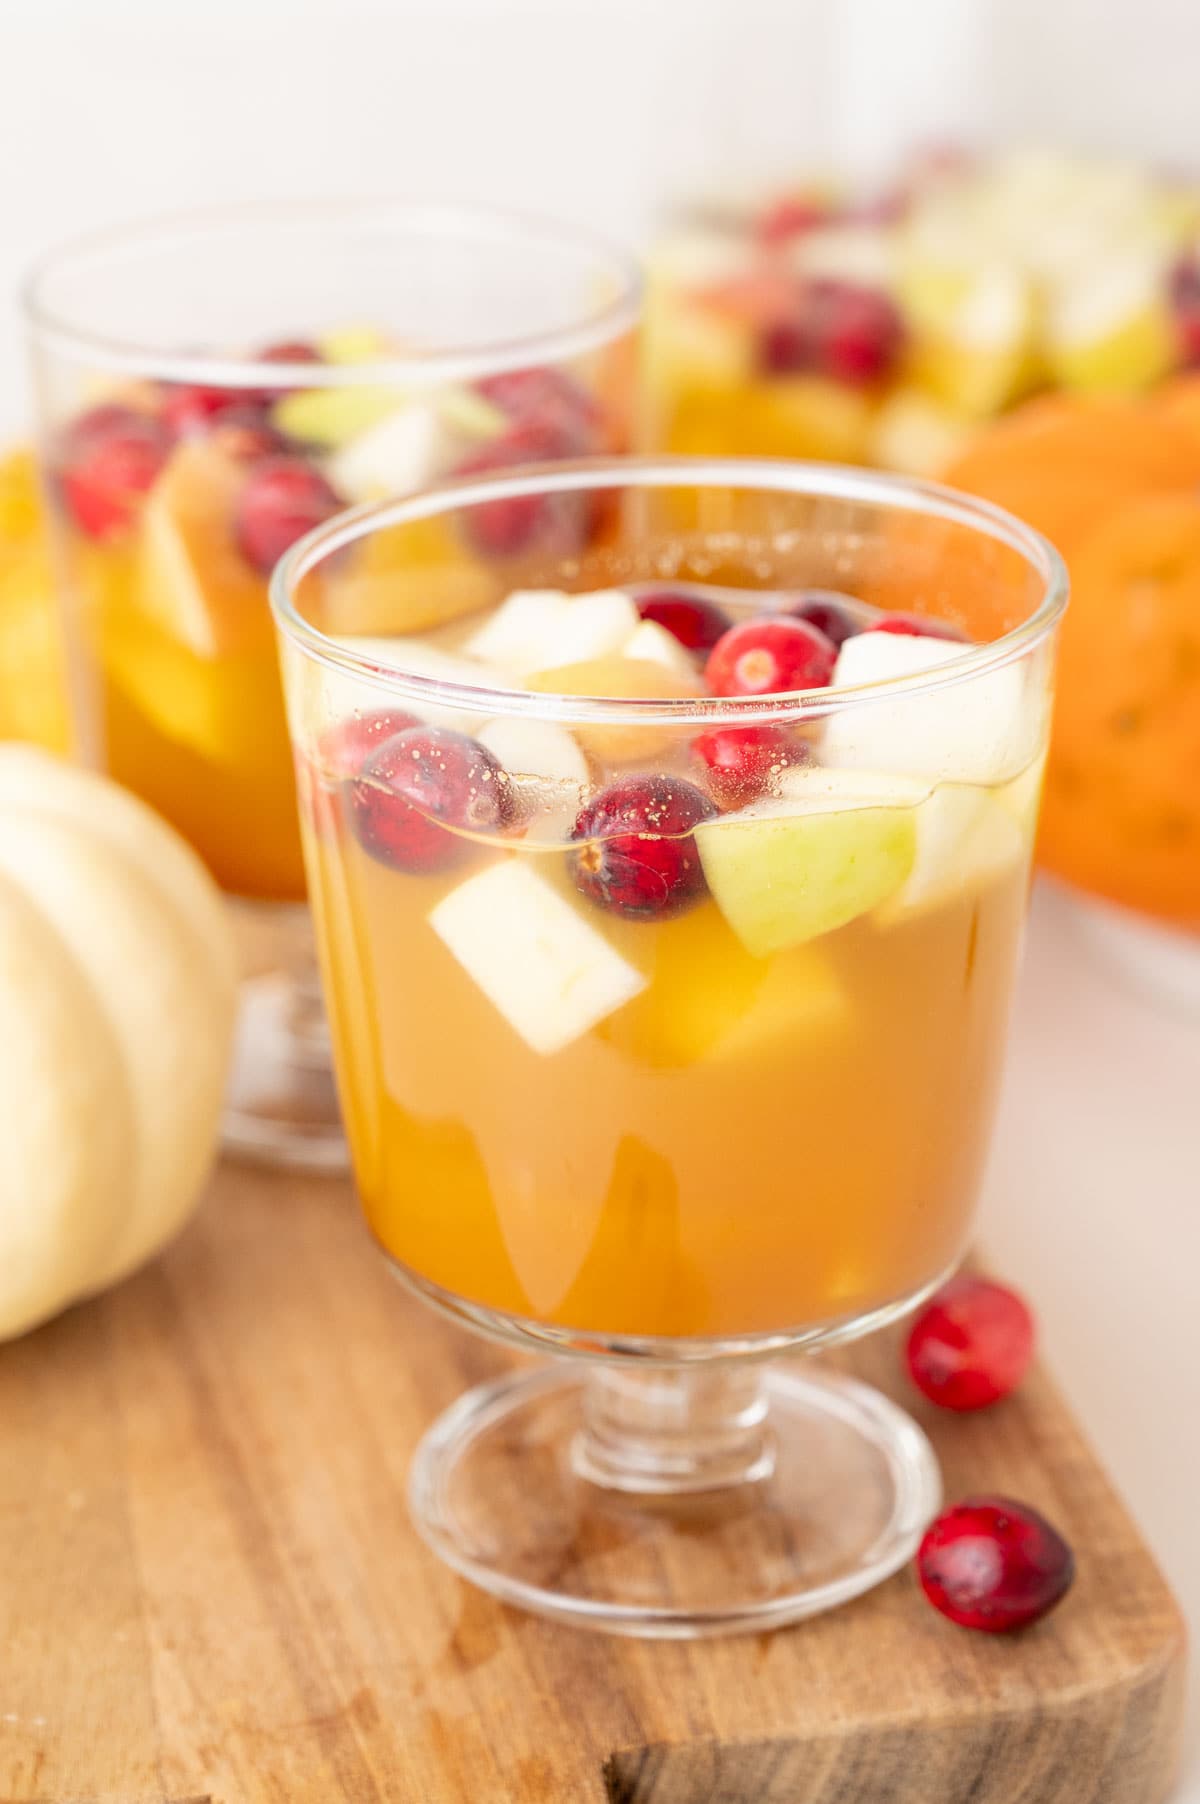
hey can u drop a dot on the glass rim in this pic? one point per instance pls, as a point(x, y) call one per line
point(415, 369)
point(772, 475)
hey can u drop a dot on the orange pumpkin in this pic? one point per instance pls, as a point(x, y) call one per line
point(1115, 484)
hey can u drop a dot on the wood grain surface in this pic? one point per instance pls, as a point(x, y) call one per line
point(210, 1589)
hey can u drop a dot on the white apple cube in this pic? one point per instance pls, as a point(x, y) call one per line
point(406, 450)
point(862, 254)
point(983, 729)
point(547, 771)
point(536, 748)
point(592, 626)
point(517, 635)
point(653, 644)
point(550, 973)
point(1108, 326)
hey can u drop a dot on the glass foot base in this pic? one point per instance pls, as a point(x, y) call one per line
point(281, 1107)
point(503, 1488)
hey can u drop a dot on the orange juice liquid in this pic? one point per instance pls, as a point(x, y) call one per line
point(749, 1145)
point(203, 739)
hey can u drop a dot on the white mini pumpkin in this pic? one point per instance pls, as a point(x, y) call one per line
point(117, 992)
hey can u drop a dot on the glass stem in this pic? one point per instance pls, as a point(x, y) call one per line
point(308, 1025)
point(674, 1429)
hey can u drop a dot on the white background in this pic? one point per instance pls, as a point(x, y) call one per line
point(601, 110)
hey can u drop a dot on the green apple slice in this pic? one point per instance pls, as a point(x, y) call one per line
point(329, 417)
point(1108, 327)
point(833, 846)
point(966, 839)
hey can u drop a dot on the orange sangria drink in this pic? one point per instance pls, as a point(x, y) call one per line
point(213, 388)
point(668, 906)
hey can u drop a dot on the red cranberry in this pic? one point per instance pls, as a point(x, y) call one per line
point(791, 217)
point(108, 459)
point(344, 747)
point(837, 616)
point(545, 396)
point(770, 657)
point(784, 347)
point(419, 785)
point(238, 424)
point(284, 498)
point(190, 408)
point(839, 329)
point(552, 523)
point(293, 350)
point(341, 752)
point(971, 1344)
point(740, 762)
point(247, 435)
point(640, 859)
point(1184, 295)
point(858, 331)
point(989, 1563)
point(918, 626)
point(695, 622)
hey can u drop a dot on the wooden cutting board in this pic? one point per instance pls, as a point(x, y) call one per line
point(210, 1590)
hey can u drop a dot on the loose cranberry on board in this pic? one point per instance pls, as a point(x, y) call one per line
point(993, 1564)
point(971, 1344)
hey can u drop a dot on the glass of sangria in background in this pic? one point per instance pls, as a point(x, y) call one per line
point(889, 326)
point(213, 386)
point(668, 907)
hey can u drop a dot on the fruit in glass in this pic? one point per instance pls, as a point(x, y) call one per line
point(885, 328)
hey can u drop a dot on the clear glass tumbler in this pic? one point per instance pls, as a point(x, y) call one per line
point(211, 387)
point(646, 1071)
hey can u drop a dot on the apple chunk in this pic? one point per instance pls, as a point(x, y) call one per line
point(550, 973)
point(966, 839)
point(980, 730)
point(788, 869)
point(516, 635)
